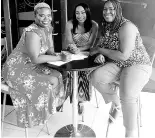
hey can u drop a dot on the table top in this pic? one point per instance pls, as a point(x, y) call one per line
point(77, 65)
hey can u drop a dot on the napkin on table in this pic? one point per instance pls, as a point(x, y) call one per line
point(78, 56)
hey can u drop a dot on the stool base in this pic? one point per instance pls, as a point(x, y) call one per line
point(83, 131)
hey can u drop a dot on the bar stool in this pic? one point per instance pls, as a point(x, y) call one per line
point(97, 104)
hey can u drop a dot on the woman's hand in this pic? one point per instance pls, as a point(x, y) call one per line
point(100, 59)
point(65, 57)
point(53, 54)
point(73, 49)
point(50, 51)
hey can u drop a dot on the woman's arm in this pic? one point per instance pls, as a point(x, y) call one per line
point(69, 43)
point(51, 51)
point(32, 44)
point(127, 37)
point(68, 35)
point(92, 38)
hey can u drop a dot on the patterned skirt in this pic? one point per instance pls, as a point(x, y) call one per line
point(84, 86)
point(31, 92)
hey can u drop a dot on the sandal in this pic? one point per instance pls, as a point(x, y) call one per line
point(114, 113)
point(80, 108)
point(59, 108)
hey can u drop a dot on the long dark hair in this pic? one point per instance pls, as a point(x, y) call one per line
point(87, 23)
point(115, 24)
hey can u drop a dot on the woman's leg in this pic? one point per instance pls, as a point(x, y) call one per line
point(54, 81)
point(132, 80)
point(102, 79)
point(57, 95)
point(84, 93)
point(83, 86)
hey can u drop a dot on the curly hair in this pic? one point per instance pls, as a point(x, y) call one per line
point(40, 6)
point(115, 24)
point(87, 23)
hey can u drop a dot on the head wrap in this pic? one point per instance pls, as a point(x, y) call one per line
point(41, 5)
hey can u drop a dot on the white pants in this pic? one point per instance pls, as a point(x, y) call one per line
point(132, 80)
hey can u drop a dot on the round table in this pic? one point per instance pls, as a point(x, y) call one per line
point(75, 129)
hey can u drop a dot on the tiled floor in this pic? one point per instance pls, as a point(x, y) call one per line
point(96, 118)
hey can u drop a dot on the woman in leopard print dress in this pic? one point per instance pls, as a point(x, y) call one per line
point(127, 62)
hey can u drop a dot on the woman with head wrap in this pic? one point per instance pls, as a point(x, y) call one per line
point(35, 89)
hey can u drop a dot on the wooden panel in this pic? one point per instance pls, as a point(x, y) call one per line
point(64, 19)
point(26, 15)
point(8, 25)
point(57, 25)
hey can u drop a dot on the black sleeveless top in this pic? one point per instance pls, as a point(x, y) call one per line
point(137, 56)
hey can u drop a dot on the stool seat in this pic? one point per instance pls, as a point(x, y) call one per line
point(4, 87)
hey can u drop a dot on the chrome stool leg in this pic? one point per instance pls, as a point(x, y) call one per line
point(82, 117)
point(47, 129)
point(96, 99)
point(3, 112)
point(139, 119)
point(107, 130)
point(26, 132)
point(140, 111)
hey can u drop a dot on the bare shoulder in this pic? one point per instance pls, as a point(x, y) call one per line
point(128, 27)
point(95, 24)
point(32, 36)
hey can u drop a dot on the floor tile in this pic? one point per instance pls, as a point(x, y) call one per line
point(94, 117)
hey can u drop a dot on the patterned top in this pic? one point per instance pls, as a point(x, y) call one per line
point(84, 89)
point(44, 35)
point(137, 56)
point(81, 39)
point(45, 42)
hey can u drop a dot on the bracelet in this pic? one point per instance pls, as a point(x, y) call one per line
point(67, 49)
point(70, 44)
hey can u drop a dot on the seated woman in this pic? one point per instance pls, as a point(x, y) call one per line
point(127, 62)
point(80, 35)
point(35, 89)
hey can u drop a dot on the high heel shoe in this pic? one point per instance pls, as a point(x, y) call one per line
point(59, 108)
point(114, 113)
point(80, 108)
